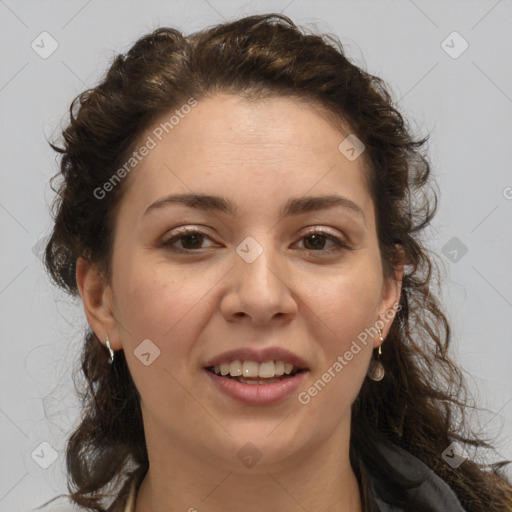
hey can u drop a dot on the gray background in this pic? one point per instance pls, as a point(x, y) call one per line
point(464, 102)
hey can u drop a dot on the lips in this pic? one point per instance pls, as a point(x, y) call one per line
point(257, 391)
point(256, 377)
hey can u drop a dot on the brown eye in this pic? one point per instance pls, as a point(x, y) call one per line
point(189, 240)
point(317, 240)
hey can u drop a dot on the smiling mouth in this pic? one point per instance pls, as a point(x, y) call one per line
point(250, 372)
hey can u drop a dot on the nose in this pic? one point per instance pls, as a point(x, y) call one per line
point(259, 292)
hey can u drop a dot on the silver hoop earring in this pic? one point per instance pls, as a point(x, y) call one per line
point(111, 359)
point(376, 371)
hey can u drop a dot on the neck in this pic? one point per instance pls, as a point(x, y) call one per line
point(320, 479)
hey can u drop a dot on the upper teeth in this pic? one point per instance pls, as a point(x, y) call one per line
point(253, 369)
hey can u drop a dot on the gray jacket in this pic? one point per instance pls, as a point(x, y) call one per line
point(433, 492)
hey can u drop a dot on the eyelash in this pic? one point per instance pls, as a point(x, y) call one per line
point(185, 232)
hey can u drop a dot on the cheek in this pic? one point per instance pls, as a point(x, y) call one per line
point(169, 307)
point(344, 338)
point(343, 310)
point(154, 300)
point(344, 302)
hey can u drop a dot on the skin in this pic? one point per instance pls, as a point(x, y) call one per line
point(312, 301)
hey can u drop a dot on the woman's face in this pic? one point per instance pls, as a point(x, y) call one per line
point(267, 269)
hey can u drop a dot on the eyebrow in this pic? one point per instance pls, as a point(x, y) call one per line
point(292, 207)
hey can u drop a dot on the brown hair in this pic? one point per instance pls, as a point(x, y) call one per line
point(423, 394)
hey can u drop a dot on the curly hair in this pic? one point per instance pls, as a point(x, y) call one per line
point(421, 404)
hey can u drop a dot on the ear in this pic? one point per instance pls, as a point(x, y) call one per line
point(97, 299)
point(391, 292)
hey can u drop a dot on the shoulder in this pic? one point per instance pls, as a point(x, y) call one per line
point(433, 491)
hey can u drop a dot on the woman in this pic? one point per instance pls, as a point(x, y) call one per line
point(240, 211)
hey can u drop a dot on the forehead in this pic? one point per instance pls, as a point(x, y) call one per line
point(271, 148)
